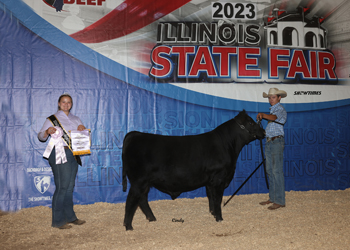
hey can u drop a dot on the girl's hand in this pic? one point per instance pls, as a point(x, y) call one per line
point(50, 131)
point(81, 127)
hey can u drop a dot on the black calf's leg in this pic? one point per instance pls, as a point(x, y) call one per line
point(218, 193)
point(146, 208)
point(210, 199)
point(131, 205)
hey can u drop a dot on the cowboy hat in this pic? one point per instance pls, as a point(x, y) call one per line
point(275, 91)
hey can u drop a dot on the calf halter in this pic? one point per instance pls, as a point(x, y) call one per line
point(244, 128)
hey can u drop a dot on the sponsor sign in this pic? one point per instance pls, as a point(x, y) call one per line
point(42, 183)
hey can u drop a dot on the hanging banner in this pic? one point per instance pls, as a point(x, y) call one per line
point(221, 46)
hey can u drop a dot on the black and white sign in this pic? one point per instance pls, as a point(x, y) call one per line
point(222, 10)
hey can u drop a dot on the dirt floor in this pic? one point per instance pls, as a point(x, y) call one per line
point(310, 220)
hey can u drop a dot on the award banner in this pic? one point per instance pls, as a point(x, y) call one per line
point(81, 141)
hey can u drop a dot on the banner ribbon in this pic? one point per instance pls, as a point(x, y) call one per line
point(57, 143)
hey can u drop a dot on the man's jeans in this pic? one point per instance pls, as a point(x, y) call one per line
point(274, 168)
point(62, 200)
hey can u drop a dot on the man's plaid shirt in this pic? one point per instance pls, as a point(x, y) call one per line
point(274, 129)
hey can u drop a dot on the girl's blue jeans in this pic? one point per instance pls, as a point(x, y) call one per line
point(62, 200)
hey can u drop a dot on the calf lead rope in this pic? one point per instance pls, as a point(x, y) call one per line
point(263, 162)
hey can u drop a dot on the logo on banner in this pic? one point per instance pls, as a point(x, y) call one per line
point(283, 48)
point(78, 2)
point(42, 183)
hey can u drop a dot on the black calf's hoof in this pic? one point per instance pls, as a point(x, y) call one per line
point(128, 227)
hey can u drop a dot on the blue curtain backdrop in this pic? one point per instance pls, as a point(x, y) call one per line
point(34, 73)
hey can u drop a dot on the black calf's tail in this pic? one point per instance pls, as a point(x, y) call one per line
point(125, 181)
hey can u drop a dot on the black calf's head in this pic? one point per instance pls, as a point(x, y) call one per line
point(249, 126)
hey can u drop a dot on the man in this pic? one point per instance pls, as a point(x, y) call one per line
point(274, 148)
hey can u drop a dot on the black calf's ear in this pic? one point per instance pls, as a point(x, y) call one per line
point(242, 112)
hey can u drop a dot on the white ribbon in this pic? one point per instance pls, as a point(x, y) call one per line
point(56, 141)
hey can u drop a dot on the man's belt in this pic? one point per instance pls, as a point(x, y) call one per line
point(268, 139)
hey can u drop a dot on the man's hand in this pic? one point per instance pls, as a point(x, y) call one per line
point(260, 116)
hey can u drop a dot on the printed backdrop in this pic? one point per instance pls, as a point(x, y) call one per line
point(172, 68)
